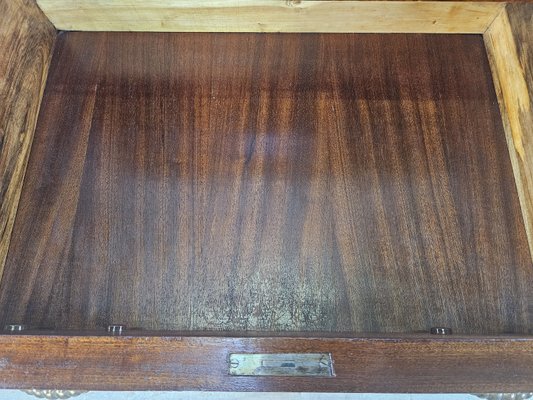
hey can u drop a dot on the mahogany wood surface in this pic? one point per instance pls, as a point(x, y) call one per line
point(269, 182)
point(396, 364)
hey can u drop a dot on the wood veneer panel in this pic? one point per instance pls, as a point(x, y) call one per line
point(271, 15)
point(26, 40)
point(398, 364)
point(270, 182)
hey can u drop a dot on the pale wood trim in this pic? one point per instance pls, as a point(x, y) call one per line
point(510, 51)
point(26, 41)
point(271, 15)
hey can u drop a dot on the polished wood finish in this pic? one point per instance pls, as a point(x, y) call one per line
point(395, 364)
point(344, 183)
point(271, 15)
point(509, 43)
point(26, 40)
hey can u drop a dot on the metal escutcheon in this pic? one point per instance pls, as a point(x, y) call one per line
point(281, 364)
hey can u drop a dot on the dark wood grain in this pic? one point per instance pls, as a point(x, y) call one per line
point(26, 40)
point(201, 363)
point(345, 183)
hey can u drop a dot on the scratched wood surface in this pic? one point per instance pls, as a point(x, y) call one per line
point(26, 40)
point(271, 183)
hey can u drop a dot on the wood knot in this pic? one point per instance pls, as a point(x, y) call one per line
point(293, 3)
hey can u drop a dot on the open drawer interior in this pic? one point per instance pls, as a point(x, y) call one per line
point(273, 183)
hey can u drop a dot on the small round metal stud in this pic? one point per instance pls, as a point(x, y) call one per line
point(14, 328)
point(438, 330)
point(116, 329)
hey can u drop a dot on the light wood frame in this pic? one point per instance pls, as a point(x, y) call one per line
point(170, 362)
